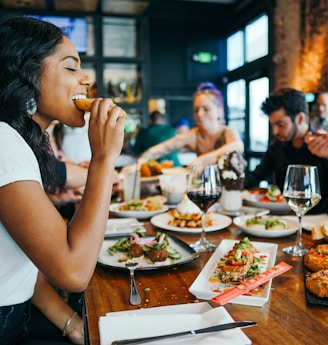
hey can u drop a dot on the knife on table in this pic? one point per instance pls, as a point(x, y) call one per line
point(222, 327)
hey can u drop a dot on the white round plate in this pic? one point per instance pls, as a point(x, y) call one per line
point(175, 171)
point(251, 199)
point(311, 220)
point(134, 214)
point(219, 222)
point(241, 223)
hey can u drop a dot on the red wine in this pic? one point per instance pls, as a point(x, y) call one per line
point(202, 200)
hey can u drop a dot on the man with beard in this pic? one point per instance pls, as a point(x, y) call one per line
point(287, 110)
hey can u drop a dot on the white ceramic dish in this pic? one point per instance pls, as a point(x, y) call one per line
point(242, 212)
point(204, 289)
point(122, 227)
point(162, 221)
point(187, 255)
point(292, 228)
point(252, 199)
point(135, 214)
point(160, 320)
point(310, 221)
point(175, 171)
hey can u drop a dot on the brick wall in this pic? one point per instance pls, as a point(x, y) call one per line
point(301, 44)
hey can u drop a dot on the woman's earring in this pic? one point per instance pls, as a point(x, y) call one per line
point(31, 106)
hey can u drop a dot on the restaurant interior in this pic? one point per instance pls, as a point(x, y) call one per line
point(151, 55)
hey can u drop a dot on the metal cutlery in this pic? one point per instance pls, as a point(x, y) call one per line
point(134, 294)
point(222, 327)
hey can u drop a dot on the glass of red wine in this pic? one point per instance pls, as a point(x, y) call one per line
point(204, 189)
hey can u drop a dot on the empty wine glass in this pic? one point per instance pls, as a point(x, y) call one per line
point(302, 192)
point(204, 189)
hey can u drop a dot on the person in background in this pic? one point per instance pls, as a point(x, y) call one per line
point(287, 110)
point(156, 132)
point(210, 139)
point(40, 77)
point(319, 117)
point(183, 125)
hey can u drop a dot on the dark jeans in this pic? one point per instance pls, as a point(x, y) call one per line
point(31, 327)
point(13, 320)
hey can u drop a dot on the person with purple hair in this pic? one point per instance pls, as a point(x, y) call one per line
point(211, 137)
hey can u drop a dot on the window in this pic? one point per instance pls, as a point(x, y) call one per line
point(249, 85)
point(253, 40)
point(235, 49)
point(258, 121)
point(236, 106)
point(256, 39)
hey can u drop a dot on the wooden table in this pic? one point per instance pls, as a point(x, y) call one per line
point(284, 319)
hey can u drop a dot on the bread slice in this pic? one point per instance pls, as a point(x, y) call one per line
point(86, 103)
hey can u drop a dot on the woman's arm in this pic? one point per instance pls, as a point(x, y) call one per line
point(232, 142)
point(67, 254)
point(47, 300)
point(179, 142)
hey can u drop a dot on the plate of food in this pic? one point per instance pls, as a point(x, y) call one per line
point(316, 275)
point(149, 252)
point(190, 223)
point(141, 208)
point(270, 198)
point(222, 271)
point(268, 226)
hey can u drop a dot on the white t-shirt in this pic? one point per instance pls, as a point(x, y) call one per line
point(17, 273)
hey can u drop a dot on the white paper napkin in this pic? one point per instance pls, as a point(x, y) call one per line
point(163, 320)
point(122, 226)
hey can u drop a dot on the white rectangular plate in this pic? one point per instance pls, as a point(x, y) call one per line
point(204, 289)
point(177, 318)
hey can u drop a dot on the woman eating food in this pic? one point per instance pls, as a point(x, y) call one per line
point(40, 78)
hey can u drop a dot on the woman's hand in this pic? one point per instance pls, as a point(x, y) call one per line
point(106, 129)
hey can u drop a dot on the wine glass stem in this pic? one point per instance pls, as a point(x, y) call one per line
point(203, 234)
point(299, 243)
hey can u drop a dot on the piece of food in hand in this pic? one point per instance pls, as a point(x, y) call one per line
point(266, 223)
point(316, 259)
point(317, 283)
point(273, 194)
point(86, 103)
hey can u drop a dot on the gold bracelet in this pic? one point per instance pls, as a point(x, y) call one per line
point(67, 323)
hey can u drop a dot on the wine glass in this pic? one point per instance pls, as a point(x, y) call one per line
point(204, 189)
point(302, 192)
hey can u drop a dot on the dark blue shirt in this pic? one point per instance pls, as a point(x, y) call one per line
point(274, 165)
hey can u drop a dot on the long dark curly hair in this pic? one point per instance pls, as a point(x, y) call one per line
point(24, 44)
